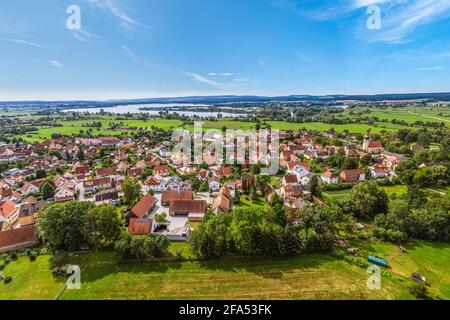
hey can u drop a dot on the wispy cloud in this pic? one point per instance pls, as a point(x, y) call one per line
point(55, 63)
point(429, 68)
point(29, 43)
point(400, 18)
point(83, 35)
point(125, 20)
point(205, 80)
point(129, 52)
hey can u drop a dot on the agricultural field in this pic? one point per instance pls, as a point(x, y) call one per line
point(314, 276)
point(408, 114)
point(74, 127)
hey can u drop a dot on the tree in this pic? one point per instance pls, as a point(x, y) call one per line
point(263, 182)
point(80, 153)
point(41, 174)
point(350, 163)
point(103, 226)
point(369, 199)
point(132, 191)
point(47, 190)
point(313, 186)
point(61, 226)
point(71, 225)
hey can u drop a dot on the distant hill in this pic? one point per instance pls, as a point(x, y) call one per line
point(442, 96)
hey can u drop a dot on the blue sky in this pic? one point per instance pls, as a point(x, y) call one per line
point(159, 48)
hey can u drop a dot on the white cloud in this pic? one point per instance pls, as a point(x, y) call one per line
point(129, 52)
point(202, 79)
point(400, 19)
point(55, 63)
point(125, 19)
point(429, 68)
point(29, 43)
point(83, 35)
point(212, 74)
point(227, 74)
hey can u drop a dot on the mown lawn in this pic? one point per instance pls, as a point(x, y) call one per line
point(314, 276)
point(431, 259)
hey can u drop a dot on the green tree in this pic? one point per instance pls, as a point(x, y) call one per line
point(369, 199)
point(132, 191)
point(103, 226)
point(313, 186)
point(47, 190)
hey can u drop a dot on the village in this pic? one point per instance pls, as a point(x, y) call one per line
point(174, 197)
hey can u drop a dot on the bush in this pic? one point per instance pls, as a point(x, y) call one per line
point(13, 256)
point(419, 291)
point(32, 257)
point(7, 280)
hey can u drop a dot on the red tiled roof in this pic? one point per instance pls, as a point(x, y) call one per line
point(188, 206)
point(140, 226)
point(375, 145)
point(17, 236)
point(169, 195)
point(290, 178)
point(106, 171)
point(7, 208)
point(141, 209)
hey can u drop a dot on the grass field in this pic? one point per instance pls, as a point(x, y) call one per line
point(427, 258)
point(409, 114)
point(346, 194)
point(313, 276)
point(74, 127)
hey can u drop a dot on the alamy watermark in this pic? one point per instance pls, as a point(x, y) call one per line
point(232, 147)
point(374, 19)
point(374, 280)
point(74, 280)
point(73, 22)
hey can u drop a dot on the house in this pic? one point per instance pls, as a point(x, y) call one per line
point(170, 195)
point(108, 196)
point(214, 184)
point(379, 171)
point(9, 211)
point(176, 184)
point(29, 189)
point(194, 209)
point(228, 172)
point(372, 147)
point(162, 171)
point(105, 172)
point(109, 141)
point(290, 180)
point(15, 239)
point(140, 226)
point(5, 189)
point(64, 194)
point(291, 192)
point(144, 207)
point(165, 153)
point(93, 186)
point(31, 208)
point(224, 202)
point(82, 172)
point(329, 177)
point(134, 172)
point(155, 184)
point(352, 176)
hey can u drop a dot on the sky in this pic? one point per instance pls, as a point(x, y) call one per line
point(165, 48)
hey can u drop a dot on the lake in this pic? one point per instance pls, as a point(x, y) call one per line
point(135, 108)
